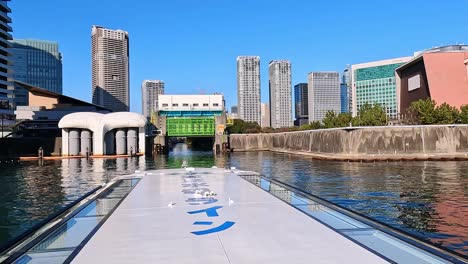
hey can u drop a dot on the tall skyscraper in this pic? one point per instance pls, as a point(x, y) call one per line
point(280, 93)
point(150, 91)
point(374, 82)
point(324, 94)
point(344, 98)
point(265, 114)
point(347, 80)
point(38, 63)
point(248, 88)
point(301, 104)
point(344, 91)
point(6, 85)
point(110, 52)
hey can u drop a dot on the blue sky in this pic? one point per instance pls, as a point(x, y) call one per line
point(192, 44)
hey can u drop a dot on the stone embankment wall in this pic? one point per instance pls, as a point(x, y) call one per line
point(364, 143)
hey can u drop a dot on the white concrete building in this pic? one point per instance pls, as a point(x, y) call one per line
point(248, 88)
point(265, 110)
point(110, 68)
point(103, 134)
point(150, 91)
point(280, 93)
point(213, 102)
point(324, 94)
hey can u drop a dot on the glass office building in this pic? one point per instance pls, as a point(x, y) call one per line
point(344, 97)
point(374, 82)
point(301, 104)
point(38, 63)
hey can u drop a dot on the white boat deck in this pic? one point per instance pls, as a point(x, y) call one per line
point(153, 225)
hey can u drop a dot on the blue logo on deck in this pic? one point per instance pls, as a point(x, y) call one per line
point(195, 185)
point(217, 229)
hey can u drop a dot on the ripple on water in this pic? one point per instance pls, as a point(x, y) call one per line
point(427, 199)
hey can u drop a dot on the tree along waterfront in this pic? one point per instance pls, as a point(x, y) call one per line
point(421, 112)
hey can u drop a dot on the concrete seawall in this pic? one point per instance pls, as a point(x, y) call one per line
point(433, 142)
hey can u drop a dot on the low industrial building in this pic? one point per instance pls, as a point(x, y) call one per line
point(43, 110)
point(440, 74)
point(86, 133)
point(201, 117)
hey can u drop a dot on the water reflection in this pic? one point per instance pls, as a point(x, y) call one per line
point(428, 199)
point(181, 155)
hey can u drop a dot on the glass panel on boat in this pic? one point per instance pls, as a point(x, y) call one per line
point(392, 248)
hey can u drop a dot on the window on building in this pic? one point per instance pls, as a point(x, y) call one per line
point(215, 104)
point(184, 104)
point(175, 104)
point(205, 104)
point(165, 105)
point(195, 104)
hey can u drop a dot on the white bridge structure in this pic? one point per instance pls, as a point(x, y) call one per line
point(119, 133)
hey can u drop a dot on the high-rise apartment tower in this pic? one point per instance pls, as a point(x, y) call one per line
point(248, 88)
point(110, 52)
point(6, 85)
point(150, 91)
point(280, 93)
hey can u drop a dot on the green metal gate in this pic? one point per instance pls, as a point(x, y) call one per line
point(190, 126)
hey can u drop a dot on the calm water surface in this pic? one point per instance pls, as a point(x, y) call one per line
point(427, 199)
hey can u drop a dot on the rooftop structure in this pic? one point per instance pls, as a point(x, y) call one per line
point(447, 48)
point(191, 103)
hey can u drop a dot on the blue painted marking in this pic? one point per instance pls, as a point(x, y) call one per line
point(217, 229)
point(202, 223)
point(193, 190)
point(200, 201)
point(210, 212)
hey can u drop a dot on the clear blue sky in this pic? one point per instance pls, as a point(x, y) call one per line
point(192, 44)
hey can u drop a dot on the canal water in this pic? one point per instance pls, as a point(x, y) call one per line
point(428, 199)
